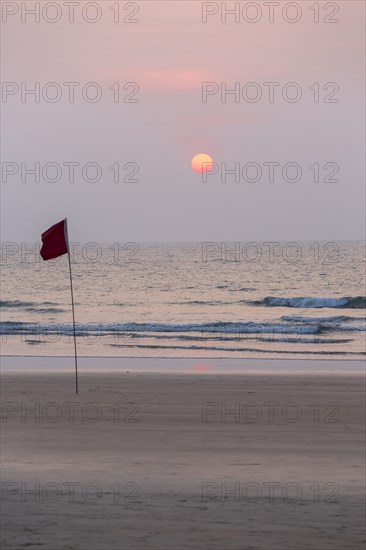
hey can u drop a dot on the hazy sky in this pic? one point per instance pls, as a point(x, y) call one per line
point(169, 53)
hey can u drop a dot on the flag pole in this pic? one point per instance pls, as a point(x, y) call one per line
point(73, 311)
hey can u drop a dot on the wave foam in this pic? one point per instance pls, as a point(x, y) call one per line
point(354, 302)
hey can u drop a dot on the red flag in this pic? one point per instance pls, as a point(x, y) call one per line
point(54, 241)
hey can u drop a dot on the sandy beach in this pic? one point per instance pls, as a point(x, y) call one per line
point(161, 454)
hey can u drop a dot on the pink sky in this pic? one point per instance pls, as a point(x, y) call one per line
point(169, 53)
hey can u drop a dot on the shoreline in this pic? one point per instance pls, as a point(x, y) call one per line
point(183, 365)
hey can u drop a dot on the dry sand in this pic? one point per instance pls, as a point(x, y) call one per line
point(152, 471)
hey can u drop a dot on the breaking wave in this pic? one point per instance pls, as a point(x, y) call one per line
point(347, 302)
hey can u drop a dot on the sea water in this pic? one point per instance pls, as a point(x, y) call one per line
point(206, 300)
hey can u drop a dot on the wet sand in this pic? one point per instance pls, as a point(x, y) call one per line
point(201, 457)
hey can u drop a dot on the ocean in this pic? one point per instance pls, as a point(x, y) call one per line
point(199, 300)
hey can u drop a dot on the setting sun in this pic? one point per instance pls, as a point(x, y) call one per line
point(202, 163)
